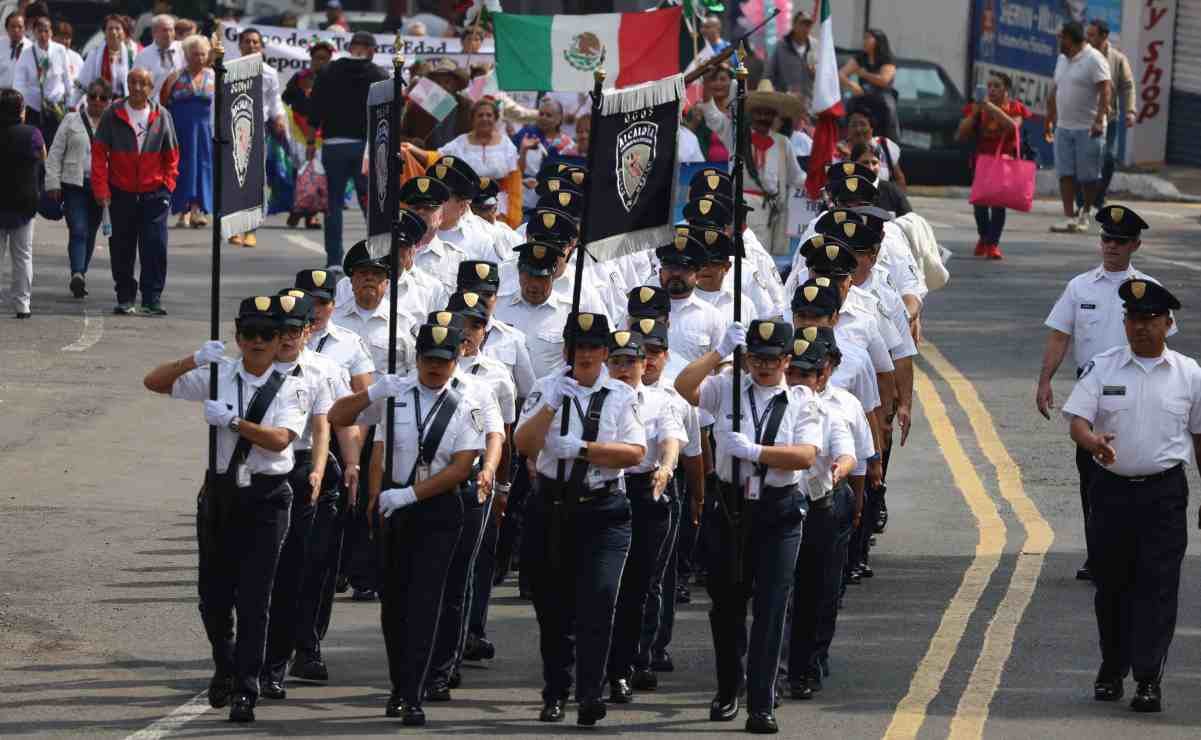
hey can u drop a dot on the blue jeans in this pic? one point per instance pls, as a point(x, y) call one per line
point(990, 222)
point(139, 231)
point(83, 219)
point(343, 163)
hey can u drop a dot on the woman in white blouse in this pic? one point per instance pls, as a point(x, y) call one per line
point(112, 61)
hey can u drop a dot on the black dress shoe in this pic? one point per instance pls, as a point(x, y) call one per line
point(1107, 689)
point(552, 711)
point(723, 708)
point(645, 680)
point(437, 692)
point(762, 723)
point(394, 705)
point(866, 571)
point(799, 689)
point(661, 662)
point(683, 595)
point(412, 715)
point(1148, 698)
point(220, 687)
point(814, 680)
point(590, 712)
point(309, 668)
point(620, 692)
point(1084, 574)
point(478, 648)
point(23, 314)
point(242, 708)
point(363, 594)
point(856, 576)
point(456, 680)
point(341, 585)
point(273, 690)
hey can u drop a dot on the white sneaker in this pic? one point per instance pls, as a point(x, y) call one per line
point(1069, 226)
point(1083, 219)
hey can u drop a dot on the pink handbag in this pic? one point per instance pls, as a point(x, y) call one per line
point(1003, 181)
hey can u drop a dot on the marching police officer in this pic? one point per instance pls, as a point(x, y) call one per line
point(1087, 319)
point(459, 226)
point(1136, 410)
point(756, 537)
point(501, 341)
point(578, 524)
point(696, 326)
point(243, 510)
point(536, 308)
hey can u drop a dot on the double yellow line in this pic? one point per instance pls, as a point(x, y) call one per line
point(972, 711)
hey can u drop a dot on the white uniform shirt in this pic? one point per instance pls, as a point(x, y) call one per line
point(507, 345)
point(858, 301)
point(440, 260)
point(344, 347)
point(620, 421)
point(418, 295)
point(856, 374)
point(842, 403)
point(8, 62)
point(1090, 312)
point(663, 421)
point(879, 284)
point(289, 410)
point(56, 82)
point(723, 301)
point(325, 383)
point(372, 327)
point(765, 274)
point(687, 412)
point(1152, 413)
point(800, 425)
point(542, 325)
point(473, 237)
point(862, 328)
point(465, 430)
point(162, 62)
point(493, 378)
point(273, 102)
point(836, 441)
point(696, 327)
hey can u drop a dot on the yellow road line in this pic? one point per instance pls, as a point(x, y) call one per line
point(972, 712)
point(911, 711)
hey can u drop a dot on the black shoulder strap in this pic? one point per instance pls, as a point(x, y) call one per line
point(779, 404)
point(591, 430)
point(87, 125)
point(258, 409)
point(437, 430)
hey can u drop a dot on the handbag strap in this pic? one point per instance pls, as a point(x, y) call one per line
point(1017, 141)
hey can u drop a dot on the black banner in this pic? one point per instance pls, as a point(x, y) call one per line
point(243, 152)
point(381, 181)
point(632, 183)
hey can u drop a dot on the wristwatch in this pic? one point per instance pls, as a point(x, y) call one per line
point(583, 451)
point(235, 424)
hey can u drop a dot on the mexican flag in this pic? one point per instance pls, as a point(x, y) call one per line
point(826, 106)
point(431, 98)
point(560, 52)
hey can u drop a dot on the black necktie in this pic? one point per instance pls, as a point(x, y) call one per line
point(165, 56)
point(16, 51)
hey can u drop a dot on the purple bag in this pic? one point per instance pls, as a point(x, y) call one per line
point(1003, 181)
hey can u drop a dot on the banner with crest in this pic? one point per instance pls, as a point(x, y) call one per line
point(632, 184)
point(381, 182)
point(243, 149)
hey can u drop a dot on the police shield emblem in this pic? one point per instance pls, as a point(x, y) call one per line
point(241, 125)
point(382, 148)
point(319, 277)
point(585, 321)
point(288, 302)
point(439, 334)
point(470, 299)
point(645, 294)
point(635, 158)
point(444, 318)
point(482, 270)
point(809, 333)
point(646, 325)
point(1138, 289)
point(766, 330)
point(799, 347)
point(262, 302)
point(810, 292)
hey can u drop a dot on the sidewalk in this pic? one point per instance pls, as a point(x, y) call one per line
point(1171, 183)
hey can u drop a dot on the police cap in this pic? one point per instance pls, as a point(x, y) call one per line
point(434, 340)
point(843, 170)
point(447, 317)
point(568, 202)
point(410, 227)
point(537, 258)
point(875, 217)
point(478, 276)
point(830, 222)
point(486, 194)
point(1146, 298)
point(809, 350)
point(708, 210)
point(551, 227)
point(295, 307)
point(818, 296)
point(626, 342)
point(769, 338)
point(588, 329)
point(683, 251)
point(424, 190)
point(573, 173)
point(468, 304)
point(832, 258)
point(853, 189)
point(317, 283)
point(713, 182)
point(556, 184)
point(258, 311)
point(1121, 222)
point(719, 246)
point(648, 302)
point(359, 257)
point(457, 175)
point(653, 331)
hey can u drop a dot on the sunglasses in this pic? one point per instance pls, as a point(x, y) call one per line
point(251, 333)
point(97, 96)
point(764, 361)
point(1121, 241)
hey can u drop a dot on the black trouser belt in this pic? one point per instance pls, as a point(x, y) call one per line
point(1139, 479)
point(641, 485)
point(765, 492)
point(554, 491)
point(825, 502)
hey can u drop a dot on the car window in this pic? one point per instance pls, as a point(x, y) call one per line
point(919, 83)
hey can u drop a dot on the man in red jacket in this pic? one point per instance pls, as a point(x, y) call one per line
point(135, 160)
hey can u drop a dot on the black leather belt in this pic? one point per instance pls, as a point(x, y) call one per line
point(303, 456)
point(553, 491)
point(1140, 479)
point(823, 503)
point(766, 492)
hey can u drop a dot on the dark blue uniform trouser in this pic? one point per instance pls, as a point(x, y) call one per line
point(485, 569)
point(1140, 532)
point(817, 582)
point(771, 542)
point(1085, 467)
point(320, 572)
point(659, 616)
point(418, 544)
point(650, 527)
point(508, 540)
point(240, 531)
point(827, 616)
point(460, 587)
point(360, 558)
point(285, 593)
point(575, 601)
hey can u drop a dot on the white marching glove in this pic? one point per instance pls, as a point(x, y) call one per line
point(738, 444)
point(735, 336)
point(386, 386)
point(564, 448)
point(210, 352)
point(394, 499)
point(557, 389)
point(218, 413)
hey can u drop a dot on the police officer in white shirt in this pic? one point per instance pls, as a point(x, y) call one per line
point(535, 308)
point(501, 341)
point(459, 226)
point(1136, 410)
point(484, 205)
point(711, 284)
point(696, 326)
point(12, 44)
point(561, 229)
point(164, 56)
point(426, 196)
point(243, 509)
point(578, 524)
point(1088, 320)
point(343, 346)
point(44, 79)
point(756, 535)
point(650, 505)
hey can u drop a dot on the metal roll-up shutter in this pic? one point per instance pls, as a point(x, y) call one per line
point(1184, 134)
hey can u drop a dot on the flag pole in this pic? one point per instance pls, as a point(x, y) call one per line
point(393, 164)
point(215, 275)
point(740, 76)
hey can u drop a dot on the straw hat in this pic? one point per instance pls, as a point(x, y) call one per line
point(765, 96)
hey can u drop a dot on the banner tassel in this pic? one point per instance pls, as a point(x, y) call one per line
point(642, 96)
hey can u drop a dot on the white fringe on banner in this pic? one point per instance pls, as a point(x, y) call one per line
point(380, 92)
point(644, 95)
point(244, 68)
point(621, 245)
point(241, 222)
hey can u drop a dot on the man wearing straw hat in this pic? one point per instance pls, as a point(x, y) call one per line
point(772, 170)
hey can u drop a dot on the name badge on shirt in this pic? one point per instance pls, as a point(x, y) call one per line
point(753, 488)
point(1113, 390)
point(421, 473)
point(1088, 305)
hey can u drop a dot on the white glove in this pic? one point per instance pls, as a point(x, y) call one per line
point(557, 389)
point(395, 499)
point(218, 413)
point(564, 448)
point(735, 336)
point(738, 444)
point(386, 386)
point(210, 352)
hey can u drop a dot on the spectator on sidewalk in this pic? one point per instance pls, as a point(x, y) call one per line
point(64, 35)
point(12, 44)
point(1075, 121)
point(43, 77)
point(1122, 100)
point(112, 61)
point(189, 94)
point(794, 61)
point(21, 153)
point(164, 56)
point(68, 180)
point(135, 161)
point(874, 70)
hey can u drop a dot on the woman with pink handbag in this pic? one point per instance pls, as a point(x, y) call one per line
point(995, 120)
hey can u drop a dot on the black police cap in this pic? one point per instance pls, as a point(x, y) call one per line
point(447, 317)
point(424, 190)
point(719, 246)
point(564, 201)
point(833, 257)
point(809, 351)
point(843, 170)
point(818, 296)
point(708, 210)
point(829, 222)
point(439, 341)
point(855, 234)
point(574, 173)
point(626, 342)
point(683, 251)
point(556, 184)
point(853, 189)
point(653, 331)
point(479, 276)
point(317, 283)
point(468, 304)
point(1146, 297)
point(551, 227)
point(261, 309)
point(591, 329)
point(712, 182)
point(410, 227)
point(1121, 222)
point(769, 338)
point(486, 194)
point(648, 302)
point(359, 256)
point(875, 217)
point(457, 175)
point(295, 307)
point(537, 258)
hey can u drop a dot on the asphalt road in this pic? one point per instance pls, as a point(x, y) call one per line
point(973, 626)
